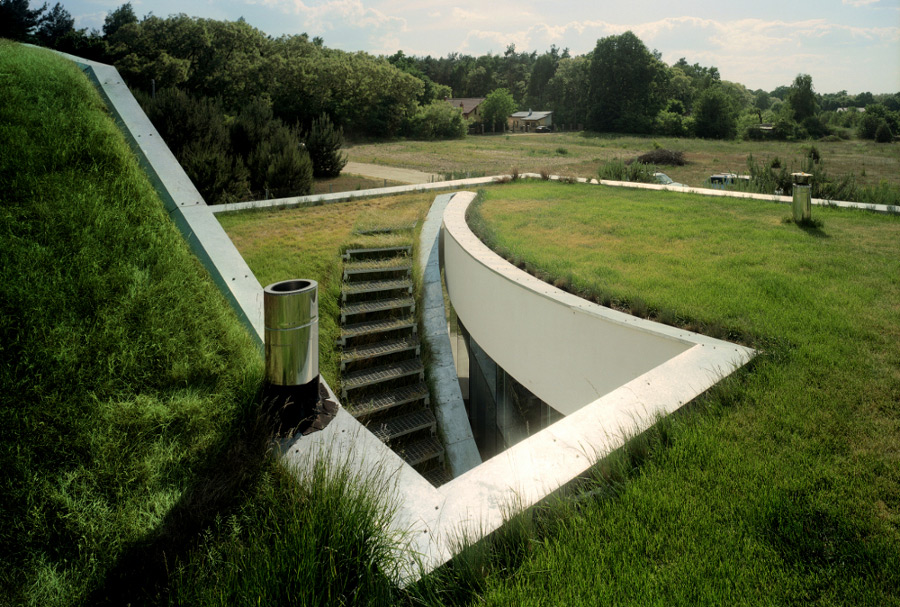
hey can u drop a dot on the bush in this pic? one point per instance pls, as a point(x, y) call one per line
point(883, 133)
point(324, 142)
point(670, 124)
point(663, 157)
point(616, 170)
point(438, 120)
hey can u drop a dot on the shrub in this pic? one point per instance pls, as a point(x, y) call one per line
point(663, 156)
point(616, 170)
point(883, 133)
point(438, 120)
point(670, 124)
point(324, 142)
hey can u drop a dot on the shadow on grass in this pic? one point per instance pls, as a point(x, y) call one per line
point(813, 227)
point(225, 481)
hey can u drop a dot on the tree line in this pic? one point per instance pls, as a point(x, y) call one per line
point(232, 87)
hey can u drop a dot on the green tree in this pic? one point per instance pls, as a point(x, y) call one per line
point(628, 85)
point(496, 108)
point(439, 120)
point(280, 165)
point(324, 142)
point(567, 91)
point(124, 15)
point(54, 25)
point(715, 116)
point(802, 97)
point(17, 21)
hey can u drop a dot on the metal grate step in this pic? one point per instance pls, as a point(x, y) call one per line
point(382, 251)
point(375, 286)
point(378, 305)
point(377, 375)
point(382, 348)
point(437, 476)
point(421, 451)
point(401, 425)
point(376, 326)
point(372, 266)
point(387, 400)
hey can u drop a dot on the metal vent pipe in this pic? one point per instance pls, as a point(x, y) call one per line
point(802, 204)
point(291, 317)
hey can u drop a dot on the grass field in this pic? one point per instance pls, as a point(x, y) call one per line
point(581, 154)
point(784, 487)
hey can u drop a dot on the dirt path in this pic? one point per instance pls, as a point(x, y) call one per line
point(378, 171)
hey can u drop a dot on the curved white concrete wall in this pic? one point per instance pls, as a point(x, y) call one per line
point(569, 352)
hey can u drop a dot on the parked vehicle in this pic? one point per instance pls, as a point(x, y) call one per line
point(543, 129)
point(720, 181)
point(663, 179)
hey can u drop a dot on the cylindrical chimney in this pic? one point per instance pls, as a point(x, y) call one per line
point(802, 204)
point(291, 316)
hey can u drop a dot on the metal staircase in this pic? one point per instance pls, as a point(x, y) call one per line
point(382, 374)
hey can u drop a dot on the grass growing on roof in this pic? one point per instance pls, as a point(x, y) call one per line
point(131, 443)
point(787, 490)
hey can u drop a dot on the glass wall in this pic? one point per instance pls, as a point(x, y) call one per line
point(501, 411)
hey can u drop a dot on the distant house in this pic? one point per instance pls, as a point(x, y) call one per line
point(469, 106)
point(527, 121)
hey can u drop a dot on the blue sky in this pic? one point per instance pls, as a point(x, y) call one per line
point(843, 44)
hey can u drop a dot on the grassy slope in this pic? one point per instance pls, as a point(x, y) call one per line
point(581, 154)
point(788, 491)
point(123, 366)
point(133, 455)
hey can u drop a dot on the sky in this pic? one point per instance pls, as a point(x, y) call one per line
point(851, 45)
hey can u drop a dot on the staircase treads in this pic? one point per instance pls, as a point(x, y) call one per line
point(377, 305)
point(437, 476)
point(403, 424)
point(387, 400)
point(376, 375)
point(381, 251)
point(421, 450)
point(381, 348)
point(372, 266)
point(375, 286)
point(376, 326)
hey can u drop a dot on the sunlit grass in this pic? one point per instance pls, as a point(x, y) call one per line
point(783, 486)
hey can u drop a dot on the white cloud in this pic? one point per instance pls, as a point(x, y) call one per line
point(337, 13)
point(858, 3)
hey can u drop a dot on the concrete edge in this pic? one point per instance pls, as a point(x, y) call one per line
point(459, 443)
point(203, 233)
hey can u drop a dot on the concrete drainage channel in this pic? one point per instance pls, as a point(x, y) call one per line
point(382, 373)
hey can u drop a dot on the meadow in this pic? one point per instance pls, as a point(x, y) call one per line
point(580, 154)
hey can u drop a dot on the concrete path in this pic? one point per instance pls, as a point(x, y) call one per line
point(390, 173)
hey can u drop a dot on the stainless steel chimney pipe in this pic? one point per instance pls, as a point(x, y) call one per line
point(802, 204)
point(291, 317)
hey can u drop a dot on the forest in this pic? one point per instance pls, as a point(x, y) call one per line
point(252, 116)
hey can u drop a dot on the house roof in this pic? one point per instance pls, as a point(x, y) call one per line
point(467, 104)
point(529, 115)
